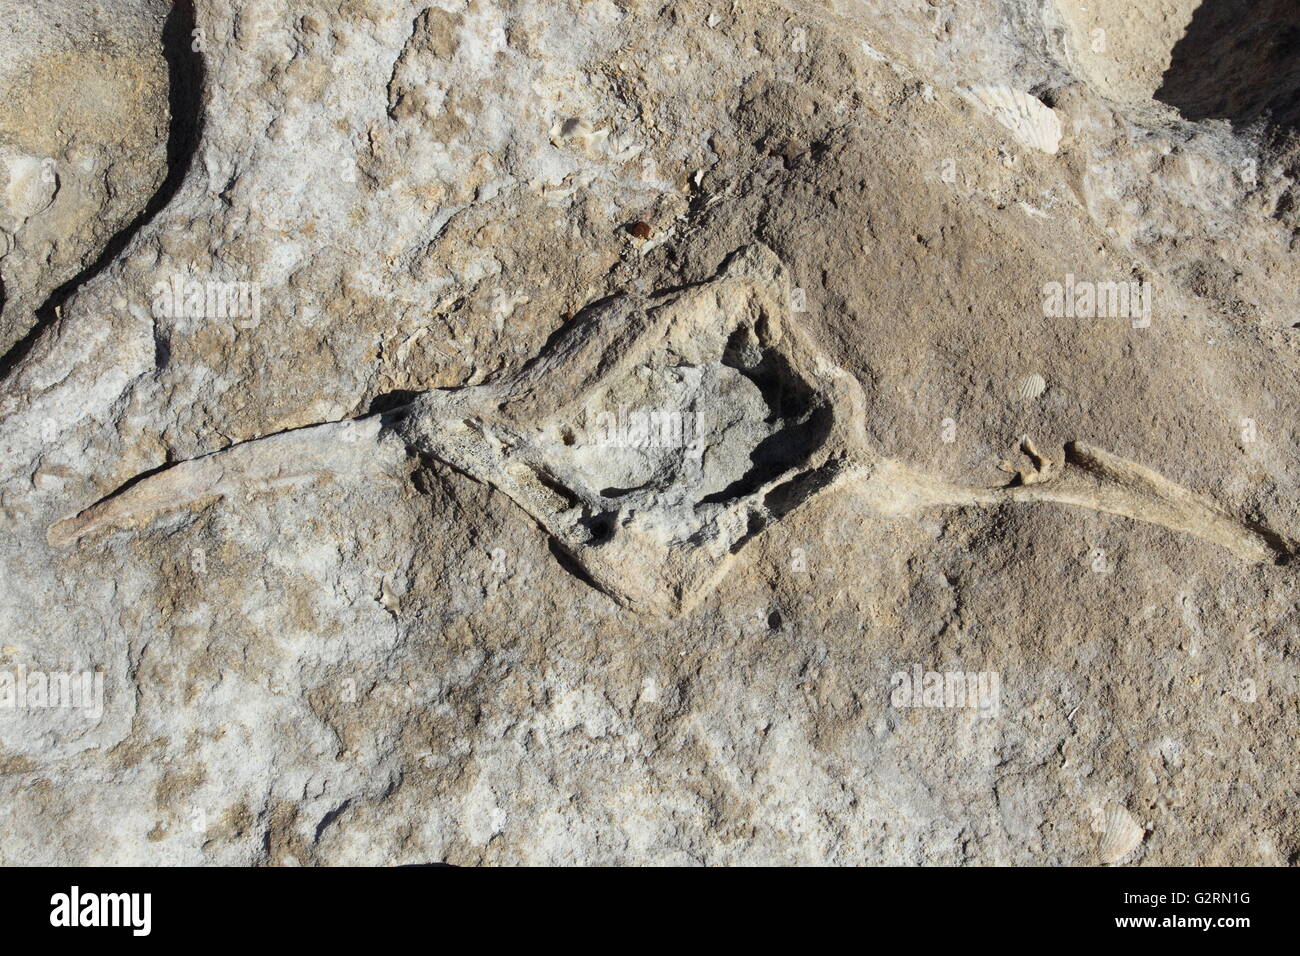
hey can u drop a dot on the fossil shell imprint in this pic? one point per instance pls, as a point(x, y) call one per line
point(1032, 122)
point(27, 187)
point(1032, 387)
point(1120, 834)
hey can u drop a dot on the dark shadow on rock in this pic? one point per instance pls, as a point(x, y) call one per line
point(391, 401)
point(1239, 61)
point(185, 99)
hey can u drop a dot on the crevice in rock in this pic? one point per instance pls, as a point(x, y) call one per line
point(185, 94)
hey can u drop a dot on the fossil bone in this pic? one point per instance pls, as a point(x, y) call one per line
point(735, 419)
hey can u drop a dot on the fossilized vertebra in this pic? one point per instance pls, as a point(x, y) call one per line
point(752, 421)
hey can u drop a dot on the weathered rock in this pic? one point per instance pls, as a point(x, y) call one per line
point(83, 141)
point(341, 471)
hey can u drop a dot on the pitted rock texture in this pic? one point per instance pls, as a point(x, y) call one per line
point(527, 432)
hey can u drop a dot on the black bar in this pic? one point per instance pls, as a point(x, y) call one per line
point(929, 906)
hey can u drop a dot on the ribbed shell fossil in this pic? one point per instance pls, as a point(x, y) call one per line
point(1032, 387)
point(1120, 834)
point(1031, 122)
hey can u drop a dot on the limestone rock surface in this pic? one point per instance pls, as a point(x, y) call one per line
point(589, 431)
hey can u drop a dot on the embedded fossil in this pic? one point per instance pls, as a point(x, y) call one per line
point(736, 419)
point(1031, 122)
point(1120, 834)
point(1032, 387)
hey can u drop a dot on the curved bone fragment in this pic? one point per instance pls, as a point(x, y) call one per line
point(1093, 478)
point(1089, 478)
point(287, 459)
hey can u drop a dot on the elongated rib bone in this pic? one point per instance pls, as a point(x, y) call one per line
point(1091, 478)
point(1096, 479)
point(287, 459)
